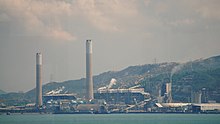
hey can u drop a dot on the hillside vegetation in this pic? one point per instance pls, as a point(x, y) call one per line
point(185, 78)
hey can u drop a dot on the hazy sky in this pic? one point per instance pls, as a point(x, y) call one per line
point(124, 33)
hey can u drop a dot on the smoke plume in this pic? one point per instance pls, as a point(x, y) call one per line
point(175, 70)
point(112, 82)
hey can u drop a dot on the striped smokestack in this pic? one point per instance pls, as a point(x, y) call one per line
point(89, 80)
point(38, 79)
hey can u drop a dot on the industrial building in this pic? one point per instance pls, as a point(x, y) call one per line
point(122, 96)
point(206, 108)
point(172, 107)
point(196, 97)
point(109, 99)
point(56, 97)
point(205, 95)
point(165, 93)
point(187, 107)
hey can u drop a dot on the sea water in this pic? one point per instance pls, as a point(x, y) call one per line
point(110, 119)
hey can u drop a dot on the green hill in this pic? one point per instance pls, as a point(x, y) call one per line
point(186, 77)
point(2, 92)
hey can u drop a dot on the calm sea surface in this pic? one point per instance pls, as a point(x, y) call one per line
point(110, 119)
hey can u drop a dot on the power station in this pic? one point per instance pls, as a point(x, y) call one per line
point(38, 80)
point(89, 79)
point(111, 98)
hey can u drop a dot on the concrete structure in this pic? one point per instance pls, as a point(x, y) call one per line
point(196, 97)
point(122, 96)
point(38, 79)
point(56, 97)
point(172, 105)
point(89, 79)
point(206, 107)
point(205, 95)
point(166, 92)
point(91, 108)
point(169, 91)
point(159, 97)
point(168, 87)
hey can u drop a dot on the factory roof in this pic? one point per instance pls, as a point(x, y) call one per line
point(207, 104)
point(139, 90)
point(172, 104)
point(186, 104)
point(60, 95)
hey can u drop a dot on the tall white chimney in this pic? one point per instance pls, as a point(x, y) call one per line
point(89, 79)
